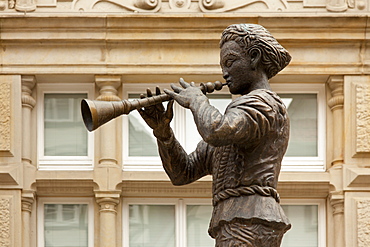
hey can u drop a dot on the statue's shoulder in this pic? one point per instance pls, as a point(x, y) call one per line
point(257, 97)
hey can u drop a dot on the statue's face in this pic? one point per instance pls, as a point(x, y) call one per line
point(236, 69)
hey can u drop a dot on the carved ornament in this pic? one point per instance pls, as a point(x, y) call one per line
point(5, 222)
point(363, 226)
point(362, 118)
point(5, 119)
point(131, 5)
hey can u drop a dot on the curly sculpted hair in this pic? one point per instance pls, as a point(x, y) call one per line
point(252, 36)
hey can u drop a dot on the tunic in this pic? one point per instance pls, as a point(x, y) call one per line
point(242, 150)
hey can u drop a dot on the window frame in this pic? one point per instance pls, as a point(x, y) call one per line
point(63, 200)
point(62, 162)
point(289, 164)
point(180, 215)
point(307, 164)
point(141, 163)
point(321, 215)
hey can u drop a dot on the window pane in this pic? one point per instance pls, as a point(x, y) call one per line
point(197, 220)
point(64, 131)
point(220, 101)
point(141, 139)
point(304, 231)
point(65, 225)
point(302, 109)
point(152, 225)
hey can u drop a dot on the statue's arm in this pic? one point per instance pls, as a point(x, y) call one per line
point(181, 167)
point(245, 120)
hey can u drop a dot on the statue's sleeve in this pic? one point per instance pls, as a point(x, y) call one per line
point(181, 167)
point(246, 120)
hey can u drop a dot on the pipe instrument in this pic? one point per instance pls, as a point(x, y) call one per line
point(96, 113)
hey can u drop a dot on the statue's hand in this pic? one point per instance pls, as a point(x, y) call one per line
point(187, 95)
point(157, 117)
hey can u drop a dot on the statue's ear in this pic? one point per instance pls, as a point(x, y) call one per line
point(255, 55)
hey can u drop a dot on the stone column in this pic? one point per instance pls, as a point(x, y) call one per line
point(108, 85)
point(336, 102)
point(336, 105)
point(28, 103)
point(108, 215)
point(108, 174)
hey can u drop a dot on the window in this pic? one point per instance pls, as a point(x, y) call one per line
point(167, 222)
point(65, 222)
point(306, 108)
point(308, 223)
point(140, 149)
point(184, 223)
point(63, 141)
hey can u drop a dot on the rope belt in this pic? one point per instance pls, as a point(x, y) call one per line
point(246, 191)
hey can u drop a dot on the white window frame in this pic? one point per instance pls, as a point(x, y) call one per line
point(180, 215)
point(308, 164)
point(63, 200)
point(62, 162)
point(289, 164)
point(321, 215)
point(140, 163)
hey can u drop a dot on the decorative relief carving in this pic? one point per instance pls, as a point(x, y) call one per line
point(363, 224)
point(108, 205)
point(25, 5)
point(187, 5)
point(5, 116)
point(227, 6)
point(11, 4)
point(133, 5)
point(362, 118)
point(5, 223)
point(179, 4)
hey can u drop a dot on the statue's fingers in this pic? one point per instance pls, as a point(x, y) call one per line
point(192, 84)
point(157, 90)
point(175, 88)
point(169, 111)
point(170, 93)
point(142, 96)
point(183, 83)
point(149, 92)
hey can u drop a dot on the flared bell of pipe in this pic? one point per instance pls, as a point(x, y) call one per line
point(97, 113)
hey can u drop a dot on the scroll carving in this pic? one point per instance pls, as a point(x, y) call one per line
point(5, 224)
point(146, 4)
point(362, 118)
point(363, 226)
point(133, 5)
point(223, 6)
point(212, 4)
point(5, 119)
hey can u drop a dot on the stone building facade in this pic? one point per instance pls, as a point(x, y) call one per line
point(55, 52)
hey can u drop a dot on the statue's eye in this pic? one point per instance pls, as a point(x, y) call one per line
point(229, 62)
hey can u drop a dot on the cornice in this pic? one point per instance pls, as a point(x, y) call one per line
point(201, 27)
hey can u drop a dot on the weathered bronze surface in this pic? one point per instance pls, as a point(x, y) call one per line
point(243, 148)
point(96, 113)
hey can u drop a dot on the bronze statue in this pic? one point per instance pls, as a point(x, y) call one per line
point(243, 148)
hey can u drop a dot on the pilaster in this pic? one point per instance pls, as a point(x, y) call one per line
point(108, 85)
point(336, 104)
point(27, 198)
point(108, 202)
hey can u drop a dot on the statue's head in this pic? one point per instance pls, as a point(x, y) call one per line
point(274, 57)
